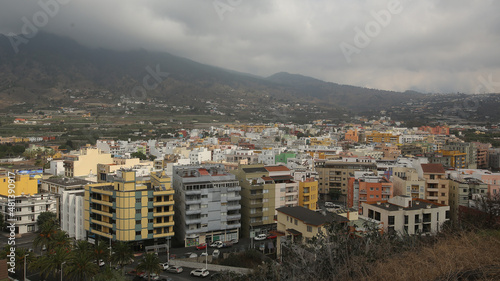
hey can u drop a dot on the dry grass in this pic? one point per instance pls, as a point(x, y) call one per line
point(468, 256)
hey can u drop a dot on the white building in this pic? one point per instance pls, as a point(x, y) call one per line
point(27, 209)
point(56, 168)
point(404, 214)
point(198, 155)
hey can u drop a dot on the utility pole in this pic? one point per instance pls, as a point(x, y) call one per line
point(25, 266)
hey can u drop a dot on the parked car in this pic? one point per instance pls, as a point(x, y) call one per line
point(329, 204)
point(167, 279)
point(152, 276)
point(175, 269)
point(216, 254)
point(191, 255)
point(135, 273)
point(271, 236)
point(100, 263)
point(164, 265)
point(215, 243)
point(199, 272)
point(202, 246)
point(234, 241)
point(203, 254)
point(260, 237)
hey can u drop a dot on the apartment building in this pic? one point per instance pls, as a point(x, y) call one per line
point(364, 187)
point(333, 176)
point(450, 159)
point(463, 192)
point(406, 215)
point(407, 182)
point(377, 137)
point(263, 189)
point(436, 184)
point(464, 147)
point(131, 209)
point(207, 204)
point(70, 209)
point(27, 209)
point(84, 162)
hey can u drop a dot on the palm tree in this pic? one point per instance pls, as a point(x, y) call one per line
point(60, 238)
point(122, 254)
point(20, 255)
point(47, 229)
point(101, 251)
point(51, 263)
point(82, 247)
point(150, 264)
point(81, 266)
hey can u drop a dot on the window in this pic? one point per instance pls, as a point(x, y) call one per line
point(265, 191)
point(138, 211)
point(138, 222)
point(265, 218)
point(138, 200)
point(296, 222)
point(406, 220)
point(309, 228)
point(391, 220)
point(138, 233)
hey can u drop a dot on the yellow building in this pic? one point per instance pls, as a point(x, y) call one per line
point(308, 194)
point(24, 185)
point(131, 209)
point(84, 162)
point(377, 137)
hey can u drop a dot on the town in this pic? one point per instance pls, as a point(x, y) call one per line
point(236, 187)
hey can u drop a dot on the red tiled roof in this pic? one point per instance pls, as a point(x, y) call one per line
point(433, 168)
point(203, 172)
point(276, 168)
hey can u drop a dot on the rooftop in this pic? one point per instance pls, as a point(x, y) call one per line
point(276, 168)
point(67, 181)
point(433, 168)
point(310, 217)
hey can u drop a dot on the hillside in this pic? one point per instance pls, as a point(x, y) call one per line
point(48, 65)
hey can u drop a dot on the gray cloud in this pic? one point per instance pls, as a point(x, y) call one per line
point(433, 46)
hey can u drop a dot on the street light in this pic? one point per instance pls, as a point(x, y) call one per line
point(25, 266)
point(62, 270)
point(251, 238)
point(206, 256)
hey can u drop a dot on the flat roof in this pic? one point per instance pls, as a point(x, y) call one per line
point(255, 170)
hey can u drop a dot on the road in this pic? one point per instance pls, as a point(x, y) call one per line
point(26, 241)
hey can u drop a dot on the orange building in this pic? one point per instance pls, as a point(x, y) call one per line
point(438, 130)
point(377, 137)
point(352, 135)
point(368, 188)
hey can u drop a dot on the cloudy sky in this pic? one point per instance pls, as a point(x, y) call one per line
point(424, 45)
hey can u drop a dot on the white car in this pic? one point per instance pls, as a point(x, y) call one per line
point(152, 276)
point(216, 254)
point(164, 265)
point(100, 263)
point(217, 244)
point(200, 272)
point(203, 254)
point(260, 237)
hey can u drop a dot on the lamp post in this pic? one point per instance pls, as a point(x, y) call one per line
point(110, 250)
point(25, 266)
point(62, 270)
point(206, 256)
point(251, 238)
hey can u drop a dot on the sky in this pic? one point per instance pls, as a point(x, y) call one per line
point(431, 46)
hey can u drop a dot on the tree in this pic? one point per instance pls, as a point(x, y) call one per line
point(47, 230)
point(81, 265)
point(51, 263)
point(150, 264)
point(122, 254)
point(152, 157)
point(101, 251)
point(2, 221)
point(139, 155)
point(20, 255)
point(46, 216)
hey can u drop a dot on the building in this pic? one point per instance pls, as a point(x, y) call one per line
point(333, 176)
point(482, 154)
point(436, 184)
point(463, 191)
point(450, 159)
point(27, 209)
point(131, 209)
point(198, 155)
point(24, 184)
point(407, 182)
point(365, 187)
point(263, 189)
point(207, 204)
point(377, 137)
point(84, 162)
point(70, 209)
point(406, 215)
point(464, 147)
point(298, 223)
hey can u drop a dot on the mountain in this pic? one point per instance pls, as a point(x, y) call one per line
point(48, 65)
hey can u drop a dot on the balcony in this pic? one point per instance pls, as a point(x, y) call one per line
point(237, 188)
point(163, 214)
point(162, 235)
point(193, 221)
point(101, 213)
point(233, 207)
point(256, 196)
point(234, 198)
point(193, 202)
point(102, 223)
point(386, 192)
point(256, 214)
point(106, 203)
point(291, 202)
point(362, 191)
point(233, 217)
point(233, 225)
point(193, 192)
point(163, 203)
point(107, 235)
point(163, 224)
point(432, 198)
point(193, 211)
point(196, 230)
